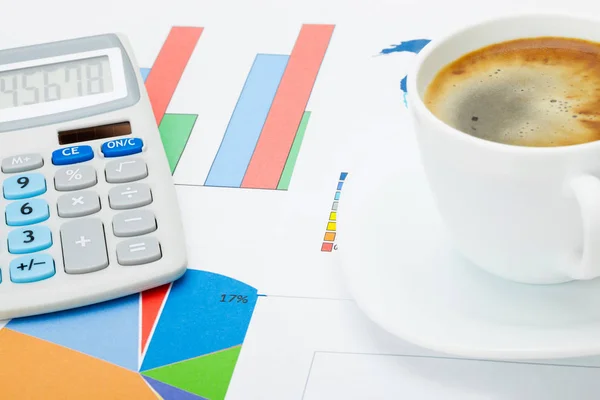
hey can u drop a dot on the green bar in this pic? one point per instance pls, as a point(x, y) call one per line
point(286, 175)
point(175, 130)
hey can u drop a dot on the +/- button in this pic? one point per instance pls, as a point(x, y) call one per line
point(122, 147)
point(72, 155)
point(34, 268)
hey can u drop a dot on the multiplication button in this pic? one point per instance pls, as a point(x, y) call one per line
point(126, 170)
point(129, 196)
point(84, 246)
point(75, 178)
point(21, 163)
point(138, 251)
point(34, 268)
point(78, 204)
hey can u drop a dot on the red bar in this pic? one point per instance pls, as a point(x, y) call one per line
point(168, 67)
point(277, 136)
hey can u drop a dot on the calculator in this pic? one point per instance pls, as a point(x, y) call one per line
point(90, 207)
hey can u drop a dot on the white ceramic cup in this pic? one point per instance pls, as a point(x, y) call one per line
point(528, 214)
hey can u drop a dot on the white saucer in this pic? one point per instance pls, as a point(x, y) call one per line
point(404, 274)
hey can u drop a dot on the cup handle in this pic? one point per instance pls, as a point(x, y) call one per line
point(587, 192)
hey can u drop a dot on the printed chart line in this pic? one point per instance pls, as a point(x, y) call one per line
point(265, 132)
point(331, 229)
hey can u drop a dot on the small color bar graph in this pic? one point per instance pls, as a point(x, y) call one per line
point(263, 138)
point(330, 232)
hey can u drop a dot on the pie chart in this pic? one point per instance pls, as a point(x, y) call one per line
point(178, 341)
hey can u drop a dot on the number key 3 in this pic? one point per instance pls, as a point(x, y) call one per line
point(27, 212)
point(29, 239)
point(24, 186)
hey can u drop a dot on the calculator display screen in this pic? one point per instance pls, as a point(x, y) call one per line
point(55, 82)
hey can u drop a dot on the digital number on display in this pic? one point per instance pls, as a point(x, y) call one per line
point(47, 83)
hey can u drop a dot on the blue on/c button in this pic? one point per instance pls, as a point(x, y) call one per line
point(122, 147)
point(72, 155)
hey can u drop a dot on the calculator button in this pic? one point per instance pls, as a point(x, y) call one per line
point(78, 204)
point(129, 196)
point(21, 163)
point(24, 186)
point(72, 155)
point(138, 251)
point(126, 170)
point(27, 212)
point(84, 246)
point(29, 239)
point(34, 268)
point(122, 147)
point(134, 223)
point(75, 178)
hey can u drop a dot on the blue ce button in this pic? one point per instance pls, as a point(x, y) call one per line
point(72, 155)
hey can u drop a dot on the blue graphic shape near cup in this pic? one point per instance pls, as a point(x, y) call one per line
point(410, 46)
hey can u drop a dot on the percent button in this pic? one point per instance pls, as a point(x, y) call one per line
point(75, 178)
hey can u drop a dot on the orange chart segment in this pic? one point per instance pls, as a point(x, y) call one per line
point(25, 360)
point(152, 302)
point(168, 67)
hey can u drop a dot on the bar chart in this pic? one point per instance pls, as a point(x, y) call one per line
point(264, 135)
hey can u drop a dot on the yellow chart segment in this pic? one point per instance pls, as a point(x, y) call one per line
point(67, 374)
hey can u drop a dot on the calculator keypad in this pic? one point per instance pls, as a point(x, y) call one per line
point(126, 170)
point(24, 186)
point(27, 212)
point(81, 236)
point(75, 178)
point(78, 204)
point(84, 246)
point(29, 239)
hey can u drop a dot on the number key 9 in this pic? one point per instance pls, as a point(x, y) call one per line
point(24, 186)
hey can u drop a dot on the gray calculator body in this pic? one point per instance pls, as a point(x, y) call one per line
point(91, 212)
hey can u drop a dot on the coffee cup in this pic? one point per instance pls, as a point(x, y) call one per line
point(524, 210)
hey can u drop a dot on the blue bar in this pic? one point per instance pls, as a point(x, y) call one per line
point(337, 195)
point(144, 72)
point(343, 176)
point(340, 184)
point(247, 120)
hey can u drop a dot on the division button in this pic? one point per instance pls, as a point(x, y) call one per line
point(75, 178)
point(78, 204)
point(138, 251)
point(21, 163)
point(126, 170)
point(84, 246)
point(129, 196)
point(134, 223)
point(32, 268)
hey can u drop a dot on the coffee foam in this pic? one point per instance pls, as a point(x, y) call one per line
point(530, 92)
